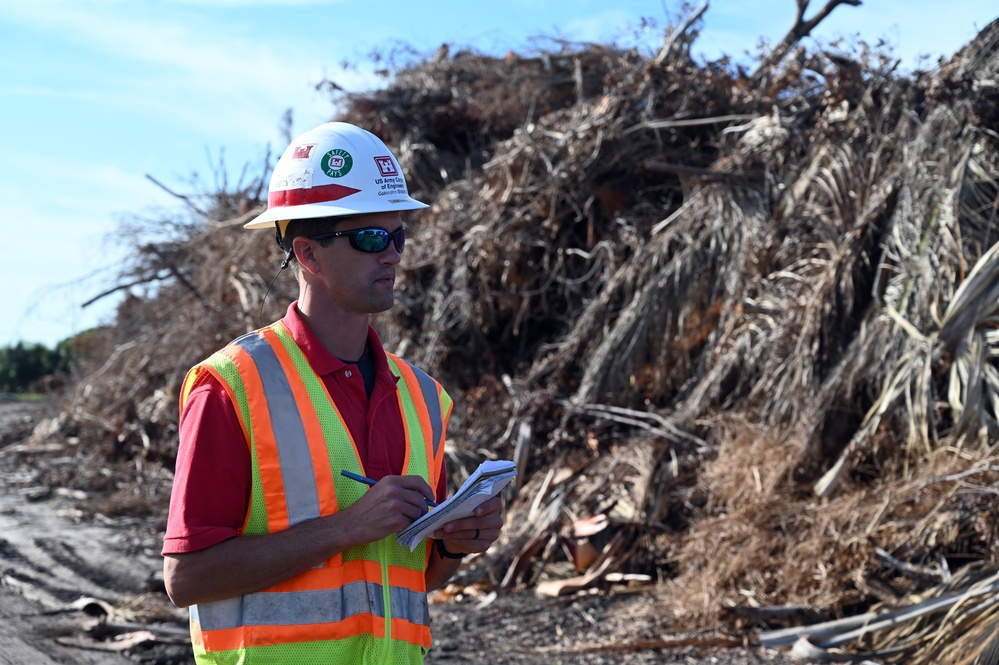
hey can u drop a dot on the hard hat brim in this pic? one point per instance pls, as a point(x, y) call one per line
point(266, 219)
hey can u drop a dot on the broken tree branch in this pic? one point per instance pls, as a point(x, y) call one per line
point(674, 36)
point(798, 31)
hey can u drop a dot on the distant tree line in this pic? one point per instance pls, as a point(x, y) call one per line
point(23, 365)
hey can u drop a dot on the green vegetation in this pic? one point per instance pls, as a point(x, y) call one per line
point(22, 365)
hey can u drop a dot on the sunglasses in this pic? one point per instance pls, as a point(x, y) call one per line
point(370, 240)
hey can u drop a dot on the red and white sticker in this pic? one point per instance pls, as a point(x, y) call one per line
point(386, 166)
point(303, 151)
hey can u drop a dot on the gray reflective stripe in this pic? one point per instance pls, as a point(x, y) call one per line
point(193, 613)
point(309, 607)
point(409, 605)
point(301, 495)
point(433, 400)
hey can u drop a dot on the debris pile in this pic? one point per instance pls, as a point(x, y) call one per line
point(739, 330)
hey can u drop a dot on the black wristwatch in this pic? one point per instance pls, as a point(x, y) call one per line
point(439, 544)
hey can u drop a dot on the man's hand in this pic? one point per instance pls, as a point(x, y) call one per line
point(476, 533)
point(393, 503)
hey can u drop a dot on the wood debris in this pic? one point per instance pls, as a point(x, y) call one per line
point(748, 323)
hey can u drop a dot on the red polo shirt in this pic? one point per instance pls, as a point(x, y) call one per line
point(211, 488)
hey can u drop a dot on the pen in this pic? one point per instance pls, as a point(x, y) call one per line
point(369, 482)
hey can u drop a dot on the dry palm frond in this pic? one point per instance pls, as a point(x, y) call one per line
point(965, 335)
point(950, 623)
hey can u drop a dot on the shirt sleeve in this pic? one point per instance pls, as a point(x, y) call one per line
point(211, 485)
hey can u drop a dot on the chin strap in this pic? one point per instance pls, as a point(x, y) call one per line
point(277, 235)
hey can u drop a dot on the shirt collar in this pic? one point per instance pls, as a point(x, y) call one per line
point(321, 360)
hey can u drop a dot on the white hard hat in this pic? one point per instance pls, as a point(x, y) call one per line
point(332, 170)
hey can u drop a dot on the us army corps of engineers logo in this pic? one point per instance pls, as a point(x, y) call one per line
point(336, 163)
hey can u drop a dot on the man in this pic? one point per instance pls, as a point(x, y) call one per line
point(281, 557)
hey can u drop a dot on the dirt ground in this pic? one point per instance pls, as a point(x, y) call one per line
point(85, 589)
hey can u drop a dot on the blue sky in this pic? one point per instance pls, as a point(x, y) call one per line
point(95, 94)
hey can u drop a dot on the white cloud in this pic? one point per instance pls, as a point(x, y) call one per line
point(221, 80)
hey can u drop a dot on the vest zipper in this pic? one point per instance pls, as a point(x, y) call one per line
point(387, 602)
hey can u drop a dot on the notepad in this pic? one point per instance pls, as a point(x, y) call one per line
point(487, 481)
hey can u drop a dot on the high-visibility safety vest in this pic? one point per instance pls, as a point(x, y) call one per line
point(364, 605)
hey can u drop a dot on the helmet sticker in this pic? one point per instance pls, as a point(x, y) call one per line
point(386, 166)
point(337, 163)
point(303, 151)
point(296, 178)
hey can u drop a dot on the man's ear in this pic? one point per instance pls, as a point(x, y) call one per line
point(305, 254)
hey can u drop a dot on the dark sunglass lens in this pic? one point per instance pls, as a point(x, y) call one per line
point(399, 238)
point(371, 240)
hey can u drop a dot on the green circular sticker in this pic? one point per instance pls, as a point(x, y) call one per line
point(337, 163)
